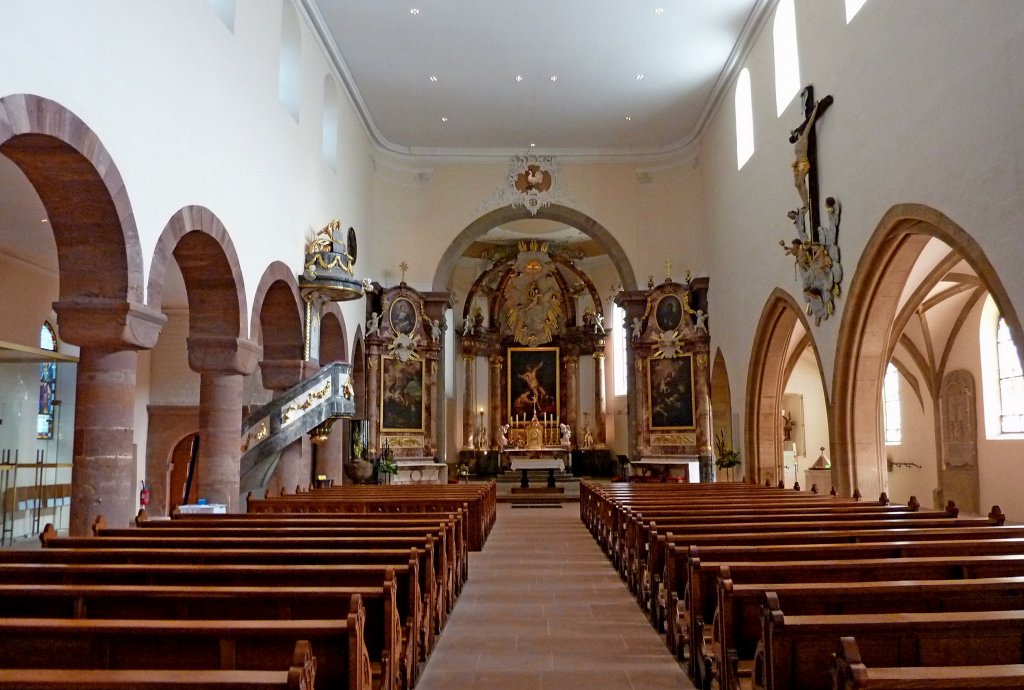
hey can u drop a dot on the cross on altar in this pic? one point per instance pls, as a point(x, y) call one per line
point(403, 267)
point(668, 268)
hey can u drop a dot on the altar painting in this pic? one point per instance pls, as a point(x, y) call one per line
point(401, 395)
point(532, 378)
point(670, 392)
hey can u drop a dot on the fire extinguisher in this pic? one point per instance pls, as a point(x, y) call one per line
point(144, 495)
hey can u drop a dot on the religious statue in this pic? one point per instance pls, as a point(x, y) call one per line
point(788, 424)
point(503, 437)
point(588, 438)
point(599, 324)
point(637, 327)
point(566, 435)
point(467, 327)
point(801, 138)
point(702, 319)
point(372, 323)
point(435, 331)
point(329, 253)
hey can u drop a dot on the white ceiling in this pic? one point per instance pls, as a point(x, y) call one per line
point(686, 50)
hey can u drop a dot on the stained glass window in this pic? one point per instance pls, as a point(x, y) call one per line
point(47, 384)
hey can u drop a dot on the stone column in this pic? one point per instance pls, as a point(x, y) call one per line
point(495, 402)
point(572, 396)
point(468, 399)
point(702, 414)
point(103, 477)
point(372, 402)
point(599, 404)
point(437, 305)
point(221, 361)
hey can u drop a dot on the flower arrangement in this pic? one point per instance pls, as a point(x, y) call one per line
point(387, 466)
point(462, 472)
point(725, 457)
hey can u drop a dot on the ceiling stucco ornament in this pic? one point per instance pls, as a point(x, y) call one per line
point(532, 182)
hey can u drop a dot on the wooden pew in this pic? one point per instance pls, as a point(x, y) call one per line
point(415, 634)
point(301, 675)
point(850, 673)
point(153, 602)
point(341, 657)
point(737, 623)
point(797, 649)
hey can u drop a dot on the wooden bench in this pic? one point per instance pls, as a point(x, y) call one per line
point(736, 632)
point(416, 637)
point(301, 675)
point(383, 633)
point(850, 673)
point(797, 649)
point(341, 657)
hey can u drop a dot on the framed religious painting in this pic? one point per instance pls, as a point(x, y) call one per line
point(401, 395)
point(532, 382)
point(669, 313)
point(670, 392)
point(402, 316)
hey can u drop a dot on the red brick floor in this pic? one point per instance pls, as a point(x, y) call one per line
point(544, 610)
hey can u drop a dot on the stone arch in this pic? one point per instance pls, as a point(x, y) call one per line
point(556, 212)
point(864, 344)
point(770, 364)
point(721, 401)
point(359, 373)
point(277, 314)
point(197, 240)
point(333, 335)
point(98, 249)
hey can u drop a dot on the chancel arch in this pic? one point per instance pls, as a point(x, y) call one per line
point(785, 369)
point(916, 301)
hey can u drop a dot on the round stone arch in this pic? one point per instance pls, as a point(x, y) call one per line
point(769, 369)
point(555, 212)
point(865, 334)
point(333, 334)
point(200, 244)
point(278, 313)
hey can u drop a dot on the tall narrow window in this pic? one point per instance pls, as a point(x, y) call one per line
point(1011, 382)
point(330, 124)
point(787, 59)
point(289, 63)
point(619, 349)
point(47, 384)
point(891, 406)
point(852, 8)
point(744, 120)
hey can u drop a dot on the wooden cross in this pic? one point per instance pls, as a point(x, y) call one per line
point(805, 150)
point(404, 267)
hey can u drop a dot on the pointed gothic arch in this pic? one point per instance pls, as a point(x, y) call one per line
point(865, 340)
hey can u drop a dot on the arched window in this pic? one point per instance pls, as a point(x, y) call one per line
point(47, 384)
point(744, 120)
point(1011, 382)
point(289, 60)
point(891, 406)
point(619, 349)
point(330, 123)
point(787, 59)
point(852, 8)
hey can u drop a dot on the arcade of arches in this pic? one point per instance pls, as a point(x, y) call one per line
point(512, 290)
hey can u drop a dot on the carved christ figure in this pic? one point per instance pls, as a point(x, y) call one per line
point(801, 138)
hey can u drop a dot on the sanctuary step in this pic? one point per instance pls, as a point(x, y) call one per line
point(536, 476)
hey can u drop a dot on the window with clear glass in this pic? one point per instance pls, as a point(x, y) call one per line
point(47, 384)
point(852, 8)
point(787, 59)
point(744, 120)
point(1011, 382)
point(289, 60)
point(891, 406)
point(619, 349)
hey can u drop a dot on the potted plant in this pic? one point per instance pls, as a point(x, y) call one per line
point(462, 472)
point(386, 466)
point(726, 458)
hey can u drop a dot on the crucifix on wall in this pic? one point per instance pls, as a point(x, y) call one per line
point(805, 150)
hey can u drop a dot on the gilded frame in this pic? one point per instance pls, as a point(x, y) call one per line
point(675, 394)
point(406, 319)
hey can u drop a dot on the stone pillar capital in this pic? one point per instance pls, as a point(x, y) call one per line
point(282, 374)
point(218, 354)
point(108, 324)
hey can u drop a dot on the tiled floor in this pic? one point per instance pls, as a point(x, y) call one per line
point(544, 610)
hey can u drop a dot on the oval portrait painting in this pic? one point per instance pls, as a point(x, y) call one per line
point(669, 313)
point(402, 316)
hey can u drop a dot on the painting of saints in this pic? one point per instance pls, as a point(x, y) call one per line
point(401, 400)
point(671, 393)
point(533, 381)
point(669, 313)
point(403, 316)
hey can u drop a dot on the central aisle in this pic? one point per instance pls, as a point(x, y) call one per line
point(544, 609)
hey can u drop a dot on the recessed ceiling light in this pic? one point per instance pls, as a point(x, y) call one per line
point(533, 146)
point(433, 78)
point(45, 220)
point(628, 118)
point(444, 118)
point(414, 10)
point(639, 77)
point(554, 77)
point(519, 77)
point(659, 10)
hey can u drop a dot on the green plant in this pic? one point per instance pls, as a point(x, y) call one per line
point(725, 457)
point(387, 465)
point(462, 471)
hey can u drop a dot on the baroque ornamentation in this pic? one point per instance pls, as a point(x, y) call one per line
point(533, 304)
point(687, 439)
point(667, 345)
point(532, 182)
